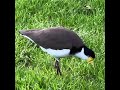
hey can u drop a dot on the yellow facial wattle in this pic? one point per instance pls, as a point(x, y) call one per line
point(90, 60)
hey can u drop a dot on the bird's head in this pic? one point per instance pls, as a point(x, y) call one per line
point(86, 54)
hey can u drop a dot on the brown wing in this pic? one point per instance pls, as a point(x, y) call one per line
point(55, 38)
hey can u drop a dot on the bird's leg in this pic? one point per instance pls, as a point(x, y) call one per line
point(57, 67)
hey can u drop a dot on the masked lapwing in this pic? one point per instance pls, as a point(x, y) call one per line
point(59, 42)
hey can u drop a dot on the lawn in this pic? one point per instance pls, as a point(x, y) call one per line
point(35, 70)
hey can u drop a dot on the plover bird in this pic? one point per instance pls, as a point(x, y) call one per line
point(59, 42)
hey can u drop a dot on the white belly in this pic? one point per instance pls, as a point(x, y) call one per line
point(52, 52)
point(57, 53)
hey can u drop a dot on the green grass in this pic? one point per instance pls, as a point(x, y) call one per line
point(34, 69)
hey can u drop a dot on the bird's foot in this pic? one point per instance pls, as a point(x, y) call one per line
point(57, 67)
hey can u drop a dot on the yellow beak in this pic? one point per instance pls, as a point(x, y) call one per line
point(90, 60)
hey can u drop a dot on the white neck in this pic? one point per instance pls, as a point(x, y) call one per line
point(81, 54)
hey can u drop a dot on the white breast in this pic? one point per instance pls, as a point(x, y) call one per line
point(81, 54)
point(57, 53)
